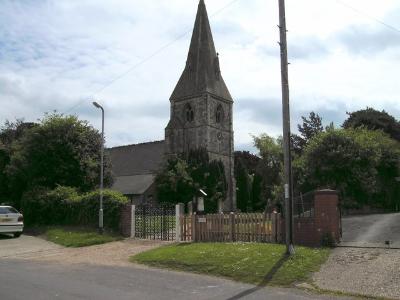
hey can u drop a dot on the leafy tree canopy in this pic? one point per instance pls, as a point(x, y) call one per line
point(372, 119)
point(182, 177)
point(10, 132)
point(60, 150)
point(248, 183)
point(360, 163)
point(270, 168)
point(310, 127)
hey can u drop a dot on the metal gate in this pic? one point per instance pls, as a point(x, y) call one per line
point(155, 222)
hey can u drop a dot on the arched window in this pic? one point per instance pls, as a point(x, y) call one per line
point(189, 113)
point(219, 114)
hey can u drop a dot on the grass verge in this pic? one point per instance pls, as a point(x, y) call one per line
point(260, 264)
point(78, 237)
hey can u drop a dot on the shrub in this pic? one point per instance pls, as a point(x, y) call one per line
point(34, 206)
point(65, 206)
point(112, 204)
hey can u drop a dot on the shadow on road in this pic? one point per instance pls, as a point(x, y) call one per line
point(267, 279)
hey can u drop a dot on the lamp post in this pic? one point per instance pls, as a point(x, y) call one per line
point(101, 167)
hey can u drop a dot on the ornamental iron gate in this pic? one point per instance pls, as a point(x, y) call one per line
point(155, 222)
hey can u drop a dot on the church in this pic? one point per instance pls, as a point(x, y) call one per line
point(200, 117)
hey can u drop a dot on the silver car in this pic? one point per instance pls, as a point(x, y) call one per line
point(11, 221)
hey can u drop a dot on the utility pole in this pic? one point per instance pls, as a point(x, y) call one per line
point(286, 130)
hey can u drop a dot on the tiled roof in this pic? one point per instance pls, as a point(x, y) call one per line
point(135, 166)
point(133, 185)
point(137, 159)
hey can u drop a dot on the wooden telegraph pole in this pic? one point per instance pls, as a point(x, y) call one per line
point(286, 130)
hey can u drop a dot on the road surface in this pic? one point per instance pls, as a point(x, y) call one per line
point(371, 230)
point(32, 268)
point(32, 280)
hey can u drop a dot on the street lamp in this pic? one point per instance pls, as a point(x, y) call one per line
point(101, 167)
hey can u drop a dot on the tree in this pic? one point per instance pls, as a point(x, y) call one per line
point(4, 161)
point(270, 168)
point(248, 185)
point(372, 119)
point(174, 183)
point(360, 163)
point(10, 132)
point(182, 177)
point(13, 131)
point(60, 150)
point(311, 126)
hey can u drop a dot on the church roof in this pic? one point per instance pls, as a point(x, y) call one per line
point(202, 72)
point(134, 184)
point(140, 159)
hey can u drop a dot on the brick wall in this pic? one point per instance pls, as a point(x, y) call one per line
point(125, 222)
point(309, 231)
point(327, 215)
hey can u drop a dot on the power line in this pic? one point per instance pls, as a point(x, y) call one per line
point(368, 16)
point(144, 60)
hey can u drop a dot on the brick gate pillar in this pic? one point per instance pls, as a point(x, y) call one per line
point(327, 215)
point(126, 220)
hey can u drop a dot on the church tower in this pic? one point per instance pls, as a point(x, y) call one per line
point(201, 106)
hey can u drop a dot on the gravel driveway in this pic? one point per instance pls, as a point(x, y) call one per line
point(25, 246)
point(373, 272)
point(366, 271)
point(37, 249)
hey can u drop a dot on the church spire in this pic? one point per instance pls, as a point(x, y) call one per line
point(202, 73)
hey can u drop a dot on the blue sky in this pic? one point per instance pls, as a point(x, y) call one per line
point(59, 54)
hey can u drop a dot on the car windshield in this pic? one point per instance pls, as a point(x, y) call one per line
point(7, 210)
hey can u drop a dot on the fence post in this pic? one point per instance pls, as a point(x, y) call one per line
point(194, 225)
point(133, 221)
point(232, 226)
point(178, 227)
point(278, 228)
point(274, 227)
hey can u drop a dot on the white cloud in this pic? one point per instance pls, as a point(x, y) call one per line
point(54, 54)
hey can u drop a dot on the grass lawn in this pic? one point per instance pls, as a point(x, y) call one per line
point(78, 237)
point(261, 264)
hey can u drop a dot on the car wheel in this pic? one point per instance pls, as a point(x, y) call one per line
point(17, 234)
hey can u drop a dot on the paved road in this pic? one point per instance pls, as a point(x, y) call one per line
point(371, 230)
point(30, 280)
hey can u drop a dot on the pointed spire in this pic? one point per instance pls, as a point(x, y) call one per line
point(202, 73)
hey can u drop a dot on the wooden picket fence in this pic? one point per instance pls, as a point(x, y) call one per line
point(233, 227)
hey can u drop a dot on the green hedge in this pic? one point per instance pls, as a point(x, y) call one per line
point(65, 206)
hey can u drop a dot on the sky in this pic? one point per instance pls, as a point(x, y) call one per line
point(60, 55)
